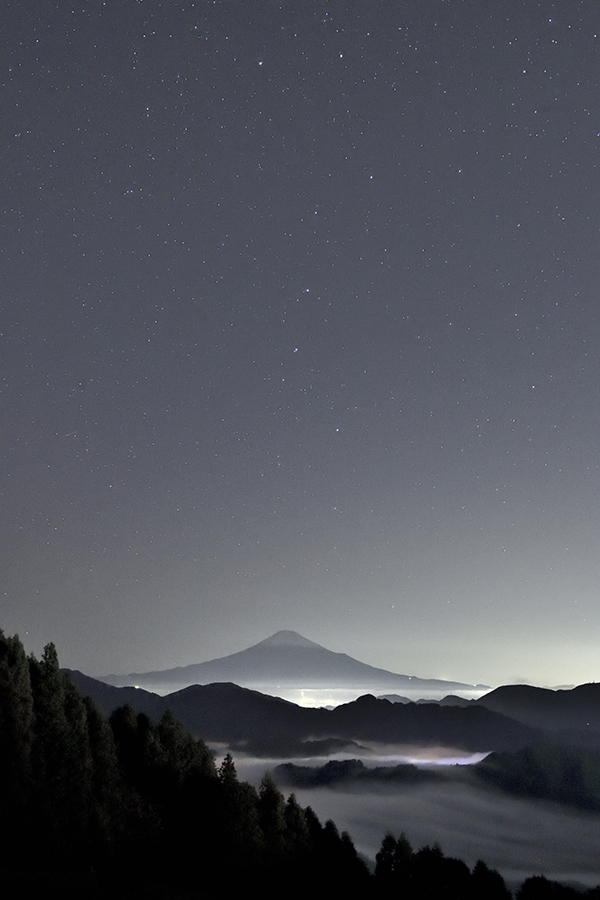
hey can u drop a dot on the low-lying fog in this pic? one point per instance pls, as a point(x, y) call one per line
point(518, 837)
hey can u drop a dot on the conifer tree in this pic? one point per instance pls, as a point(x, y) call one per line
point(488, 884)
point(57, 770)
point(271, 811)
point(17, 735)
point(384, 863)
point(107, 820)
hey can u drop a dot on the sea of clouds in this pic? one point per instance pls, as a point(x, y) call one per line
point(470, 821)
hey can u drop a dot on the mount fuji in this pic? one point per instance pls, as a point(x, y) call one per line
point(290, 661)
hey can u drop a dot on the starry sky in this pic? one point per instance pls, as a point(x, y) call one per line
point(299, 329)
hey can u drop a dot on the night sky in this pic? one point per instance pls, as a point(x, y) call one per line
point(300, 320)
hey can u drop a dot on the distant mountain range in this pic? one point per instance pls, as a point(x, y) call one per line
point(287, 659)
point(507, 718)
point(571, 715)
point(251, 722)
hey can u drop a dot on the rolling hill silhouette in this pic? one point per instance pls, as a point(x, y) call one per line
point(574, 712)
point(246, 720)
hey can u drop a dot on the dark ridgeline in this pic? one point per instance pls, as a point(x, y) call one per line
point(508, 718)
point(271, 726)
point(570, 715)
point(122, 808)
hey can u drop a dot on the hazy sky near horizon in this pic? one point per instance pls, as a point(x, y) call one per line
point(299, 329)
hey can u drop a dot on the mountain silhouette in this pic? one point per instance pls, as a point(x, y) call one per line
point(574, 712)
point(286, 659)
point(255, 723)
